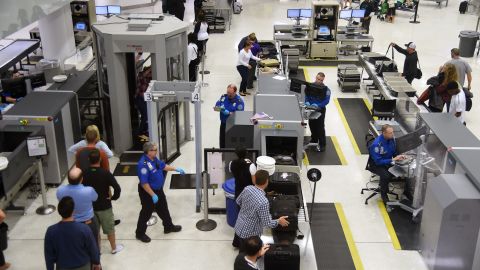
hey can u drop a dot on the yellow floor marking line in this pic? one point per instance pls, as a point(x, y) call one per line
point(347, 127)
point(389, 225)
point(338, 149)
point(348, 236)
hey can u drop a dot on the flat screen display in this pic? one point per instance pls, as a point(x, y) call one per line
point(345, 14)
point(101, 10)
point(358, 13)
point(293, 13)
point(80, 26)
point(306, 13)
point(113, 9)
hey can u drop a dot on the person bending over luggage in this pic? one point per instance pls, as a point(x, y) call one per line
point(411, 60)
point(242, 169)
point(254, 211)
point(254, 249)
point(383, 155)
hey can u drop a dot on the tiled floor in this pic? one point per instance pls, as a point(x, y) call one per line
point(191, 249)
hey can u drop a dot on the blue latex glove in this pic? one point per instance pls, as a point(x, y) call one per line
point(314, 105)
point(226, 112)
point(155, 198)
point(307, 103)
point(180, 170)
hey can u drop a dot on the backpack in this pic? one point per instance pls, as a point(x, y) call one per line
point(435, 100)
point(237, 7)
point(463, 7)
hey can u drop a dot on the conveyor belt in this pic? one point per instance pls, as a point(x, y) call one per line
point(16, 51)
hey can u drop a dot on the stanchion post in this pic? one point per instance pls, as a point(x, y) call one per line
point(45, 209)
point(415, 15)
point(206, 224)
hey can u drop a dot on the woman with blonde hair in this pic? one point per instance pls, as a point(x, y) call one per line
point(438, 84)
point(91, 130)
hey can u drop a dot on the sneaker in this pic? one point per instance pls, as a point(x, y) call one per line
point(118, 249)
point(242, 94)
point(117, 221)
point(174, 228)
point(320, 148)
point(144, 238)
point(247, 93)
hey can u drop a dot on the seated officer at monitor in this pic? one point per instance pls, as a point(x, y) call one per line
point(383, 155)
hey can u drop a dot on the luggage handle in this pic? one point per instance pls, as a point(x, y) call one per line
point(386, 53)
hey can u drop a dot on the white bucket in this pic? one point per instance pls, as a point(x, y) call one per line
point(266, 163)
point(3, 163)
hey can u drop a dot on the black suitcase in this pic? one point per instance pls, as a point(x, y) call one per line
point(284, 183)
point(276, 197)
point(463, 7)
point(282, 257)
point(285, 206)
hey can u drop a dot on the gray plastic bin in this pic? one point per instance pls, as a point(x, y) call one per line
point(468, 43)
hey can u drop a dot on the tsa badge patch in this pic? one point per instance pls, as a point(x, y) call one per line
point(240, 107)
point(143, 171)
point(376, 149)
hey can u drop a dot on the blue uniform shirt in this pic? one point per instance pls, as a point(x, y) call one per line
point(382, 151)
point(232, 105)
point(321, 103)
point(151, 172)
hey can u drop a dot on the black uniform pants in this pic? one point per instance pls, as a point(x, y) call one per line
point(223, 126)
point(148, 207)
point(409, 78)
point(385, 178)
point(192, 71)
point(239, 243)
point(243, 70)
point(317, 128)
point(141, 105)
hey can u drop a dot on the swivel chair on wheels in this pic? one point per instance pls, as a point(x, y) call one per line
point(375, 190)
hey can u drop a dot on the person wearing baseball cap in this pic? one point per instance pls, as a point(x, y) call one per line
point(411, 59)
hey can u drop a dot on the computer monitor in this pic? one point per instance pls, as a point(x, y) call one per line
point(358, 13)
point(293, 13)
point(37, 79)
point(113, 9)
point(101, 10)
point(296, 85)
point(410, 141)
point(315, 90)
point(345, 14)
point(323, 30)
point(80, 26)
point(14, 88)
point(306, 12)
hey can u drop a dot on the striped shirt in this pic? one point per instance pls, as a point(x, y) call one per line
point(254, 213)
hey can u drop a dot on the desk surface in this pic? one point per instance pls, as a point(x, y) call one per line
point(290, 37)
point(450, 131)
point(345, 37)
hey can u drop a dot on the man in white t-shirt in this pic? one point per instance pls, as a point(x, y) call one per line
point(458, 102)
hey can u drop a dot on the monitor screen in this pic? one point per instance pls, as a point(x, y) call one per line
point(345, 14)
point(296, 85)
point(101, 10)
point(37, 80)
point(113, 9)
point(410, 141)
point(315, 90)
point(14, 88)
point(293, 13)
point(323, 30)
point(80, 26)
point(306, 13)
point(358, 13)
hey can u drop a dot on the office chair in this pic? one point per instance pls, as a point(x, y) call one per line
point(384, 109)
point(375, 190)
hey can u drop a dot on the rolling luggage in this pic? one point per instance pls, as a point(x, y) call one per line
point(282, 257)
point(286, 183)
point(286, 206)
point(463, 7)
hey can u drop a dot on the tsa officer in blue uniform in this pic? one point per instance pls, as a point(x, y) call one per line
point(383, 155)
point(150, 189)
point(226, 105)
point(317, 126)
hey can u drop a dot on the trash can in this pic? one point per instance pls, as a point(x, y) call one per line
point(468, 43)
point(232, 208)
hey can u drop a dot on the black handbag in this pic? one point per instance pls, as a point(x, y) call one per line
point(3, 236)
point(418, 73)
point(386, 65)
